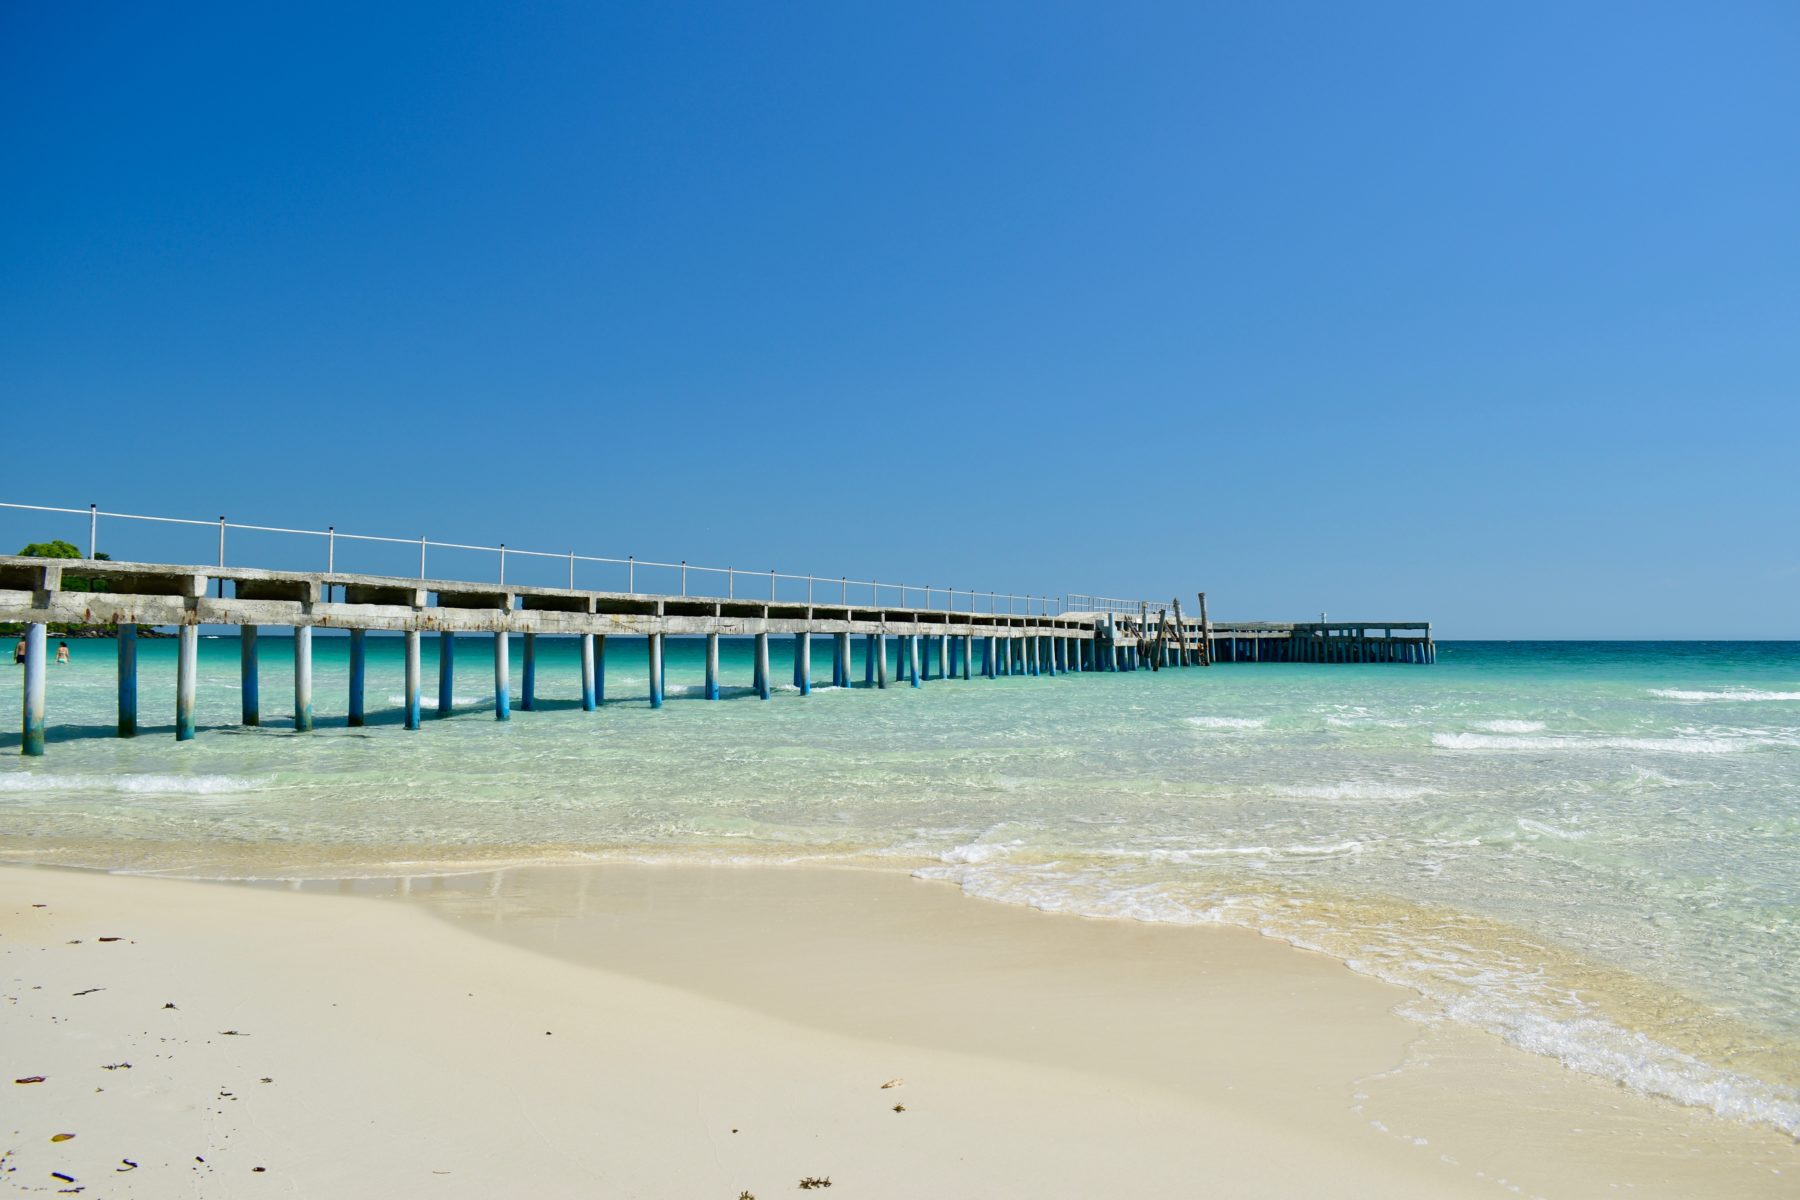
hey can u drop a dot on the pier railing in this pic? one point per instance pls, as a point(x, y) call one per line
point(631, 575)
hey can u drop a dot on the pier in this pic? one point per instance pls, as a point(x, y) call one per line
point(907, 636)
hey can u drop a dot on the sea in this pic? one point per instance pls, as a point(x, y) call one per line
point(1588, 849)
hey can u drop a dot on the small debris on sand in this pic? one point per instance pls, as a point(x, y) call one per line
point(170, 1004)
point(30, 1079)
point(116, 1067)
point(61, 1137)
point(893, 1083)
point(89, 992)
point(129, 1166)
point(899, 1108)
point(109, 939)
point(811, 1182)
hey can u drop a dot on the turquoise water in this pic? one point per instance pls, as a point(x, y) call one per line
point(1586, 848)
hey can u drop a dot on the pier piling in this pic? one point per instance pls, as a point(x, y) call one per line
point(588, 701)
point(358, 674)
point(248, 687)
point(187, 665)
point(410, 696)
point(32, 718)
point(502, 677)
point(528, 685)
point(446, 673)
point(128, 699)
point(761, 674)
point(712, 666)
point(303, 702)
point(655, 654)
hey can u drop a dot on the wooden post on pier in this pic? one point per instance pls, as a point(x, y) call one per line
point(446, 673)
point(410, 699)
point(128, 701)
point(358, 671)
point(1183, 657)
point(1206, 635)
point(250, 707)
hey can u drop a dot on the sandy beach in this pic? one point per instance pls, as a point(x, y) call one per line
point(645, 1031)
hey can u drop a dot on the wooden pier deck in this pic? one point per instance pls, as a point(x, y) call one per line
point(928, 641)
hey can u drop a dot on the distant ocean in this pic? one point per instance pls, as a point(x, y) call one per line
point(1589, 849)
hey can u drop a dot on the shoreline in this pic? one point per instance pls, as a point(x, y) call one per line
point(1079, 1057)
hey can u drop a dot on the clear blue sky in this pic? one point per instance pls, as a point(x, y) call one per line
point(1488, 314)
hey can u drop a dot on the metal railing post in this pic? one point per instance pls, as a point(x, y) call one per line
point(771, 585)
point(684, 576)
point(503, 564)
point(221, 541)
point(571, 570)
point(93, 528)
point(631, 574)
point(330, 549)
point(421, 556)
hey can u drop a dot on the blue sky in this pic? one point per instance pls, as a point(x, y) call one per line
point(1484, 314)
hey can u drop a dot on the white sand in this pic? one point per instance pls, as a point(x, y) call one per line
point(1042, 1056)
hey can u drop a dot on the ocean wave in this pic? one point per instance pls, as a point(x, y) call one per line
point(1353, 790)
point(1366, 722)
point(1504, 997)
point(1732, 694)
point(1228, 722)
point(1662, 745)
point(1509, 726)
point(137, 785)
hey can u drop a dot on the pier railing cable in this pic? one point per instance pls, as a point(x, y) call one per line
point(737, 582)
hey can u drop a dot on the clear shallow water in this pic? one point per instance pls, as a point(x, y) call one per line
point(1586, 848)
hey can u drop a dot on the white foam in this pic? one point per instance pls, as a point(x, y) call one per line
point(1664, 745)
point(1732, 694)
point(1365, 722)
point(137, 785)
point(1228, 722)
point(1511, 726)
point(1354, 790)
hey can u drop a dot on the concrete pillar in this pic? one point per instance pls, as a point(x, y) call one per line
point(879, 645)
point(502, 676)
point(655, 649)
point(943, 656)
point(871, 656)
point(967, 646)
point(31, 715)
point(841, 645)
point(588, 702)
point(446, 673)
point(599, 669)
point(803, 663)
point(187, 666)
point(1032, 666)
point(987, 656)
point(411, 698)
point(358, 673)
point(303, 705)
point(761, 673)
point(128, 681)
point(251, 706)
point(912, 658)
point(712, 666)
point(528, 687)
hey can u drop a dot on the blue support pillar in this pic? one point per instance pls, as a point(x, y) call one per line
point(987, 656)
point(803, 663)
point(358, 673)
point(943, 655)
point(410, 699)
point(446, 673)
point(128, 704)
point(32, 711)
point(303, 705)
point(187, 665)
point(528, 686)
point(840, 651)
point(654, 645)
point(502, 676)
point(588, 700)
point(878, 645)
point(599, 668)
point(251, 706)
point(967, 648)
point(871, 658)
point(955, 652)
point(761, 672)
point(712, 666)
point(912, 659)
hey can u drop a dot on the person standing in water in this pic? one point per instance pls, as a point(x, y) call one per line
point(19, 652)
point(62, 654)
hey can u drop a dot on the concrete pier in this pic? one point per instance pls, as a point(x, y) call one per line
point(446, 703)
point(32, 716)
point(410, 698)
point(248, 684)
point(502, 677)
point(303, 702)
point(129, 595)
point(187, 668)
point(128, 700)
point(589, 701)
point(712, 666)
point(359, 670)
